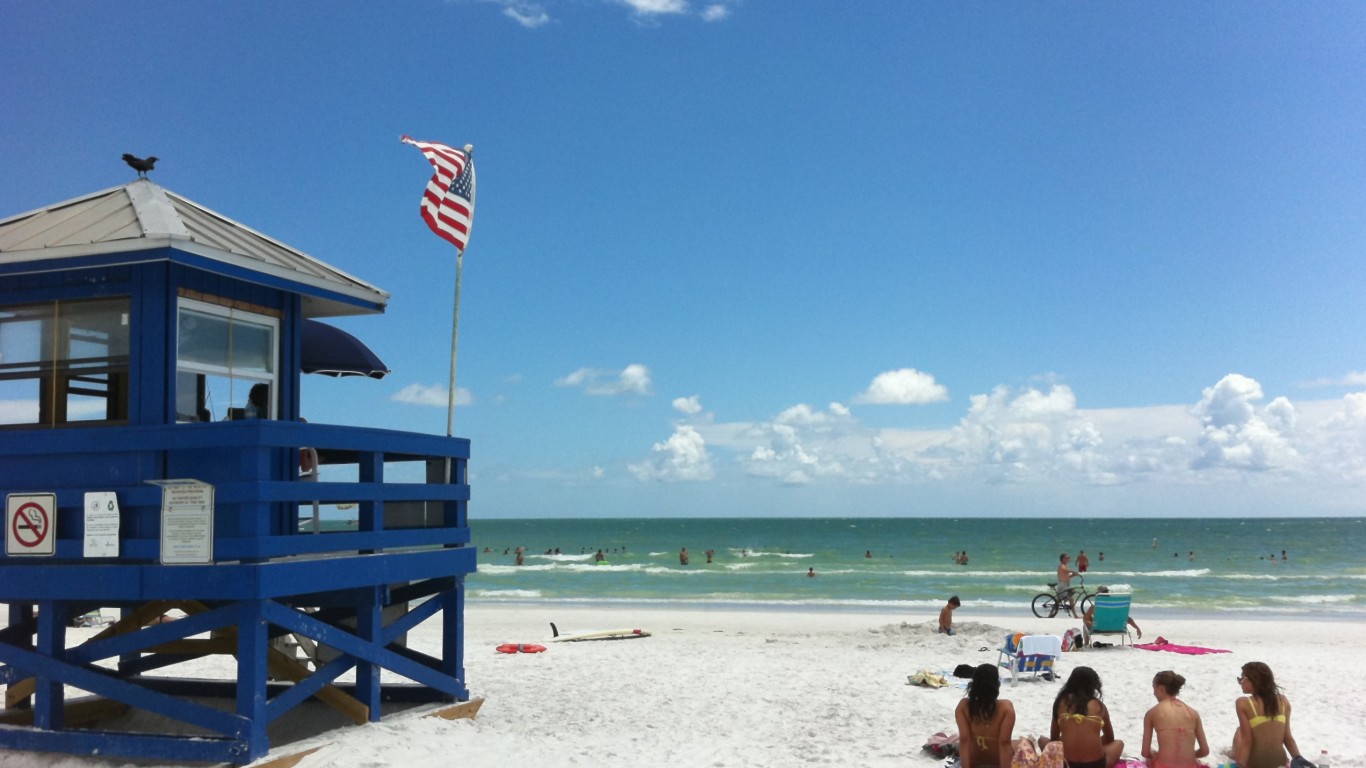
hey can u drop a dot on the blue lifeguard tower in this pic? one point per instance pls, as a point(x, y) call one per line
point(150, 459)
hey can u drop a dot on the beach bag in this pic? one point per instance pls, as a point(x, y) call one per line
point(1071, 640)
point(942, 745)
point(1027, 755)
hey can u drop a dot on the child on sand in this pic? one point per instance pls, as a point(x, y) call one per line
point(946, 616)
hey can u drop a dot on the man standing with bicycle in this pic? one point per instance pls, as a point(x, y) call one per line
point(1065, 574)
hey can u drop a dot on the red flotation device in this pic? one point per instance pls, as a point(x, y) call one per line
point(520, 648)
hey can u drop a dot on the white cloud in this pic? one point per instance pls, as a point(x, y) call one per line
point(715, 12)
point(528, 15)
point(18, 411)
point(905, 386)
point(1237, 435)
point(1027, 436)
point(634, 379)
point(431, 394)
point(1231, 440)
point(1352, 379)
point(655, 7)
point(802, 444)
point(681, 458)
point(689, 405)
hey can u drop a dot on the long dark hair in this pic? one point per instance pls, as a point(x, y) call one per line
point(1081, 686)
point(982, 692)
point(1264, 687)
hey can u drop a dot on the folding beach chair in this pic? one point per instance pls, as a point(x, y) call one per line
point(1034, 654)
point(1110, 616)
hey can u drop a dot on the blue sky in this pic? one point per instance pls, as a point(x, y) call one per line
point(763, 258)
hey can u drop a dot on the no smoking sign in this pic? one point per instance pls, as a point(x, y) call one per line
point(29, 522)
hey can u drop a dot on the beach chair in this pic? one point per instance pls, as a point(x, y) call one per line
point(1110, 616)
point(1034, 654)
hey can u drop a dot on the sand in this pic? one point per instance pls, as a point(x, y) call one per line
point(770, 688)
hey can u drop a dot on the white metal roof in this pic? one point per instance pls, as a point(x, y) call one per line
point(142, 216)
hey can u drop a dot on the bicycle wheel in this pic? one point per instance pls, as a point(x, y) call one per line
point(1085, 604)
point(1045, 606)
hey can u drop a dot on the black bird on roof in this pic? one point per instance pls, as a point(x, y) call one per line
point(140, 165)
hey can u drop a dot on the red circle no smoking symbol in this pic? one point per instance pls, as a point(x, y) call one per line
point(29, 525)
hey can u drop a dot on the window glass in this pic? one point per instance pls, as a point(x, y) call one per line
point(225, 363)
point(64, 361)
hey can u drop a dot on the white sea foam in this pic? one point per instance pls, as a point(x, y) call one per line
point(1313, 599)
point(507, 594)
point(761, 553)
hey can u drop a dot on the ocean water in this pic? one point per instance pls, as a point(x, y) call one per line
point(898, 565)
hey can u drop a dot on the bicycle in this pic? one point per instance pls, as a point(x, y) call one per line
point(1046, 604)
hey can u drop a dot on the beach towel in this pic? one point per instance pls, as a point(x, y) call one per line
point(1041, 645)
point(1161, 644)
point(927, 678)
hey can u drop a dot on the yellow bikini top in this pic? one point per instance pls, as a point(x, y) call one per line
point(1257, 719)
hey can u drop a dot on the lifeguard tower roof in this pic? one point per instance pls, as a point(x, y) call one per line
point(141, 222)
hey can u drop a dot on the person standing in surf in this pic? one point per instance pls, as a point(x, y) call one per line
point(1065, 574)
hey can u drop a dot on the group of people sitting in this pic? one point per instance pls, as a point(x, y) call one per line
point(1082, 736)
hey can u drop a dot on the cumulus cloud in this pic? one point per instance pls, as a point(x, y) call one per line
point(905, 386)
point(634, 379)
point(431, 394)
point(1238, 435)
point(802, 444)
point(1036, 436)
point(688, 405)
point(681, 458)
point(1027, 436)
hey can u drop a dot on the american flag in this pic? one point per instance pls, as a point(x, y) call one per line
point(448, 202)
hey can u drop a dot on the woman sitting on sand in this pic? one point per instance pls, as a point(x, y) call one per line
point(985, 722)
point(1178, 727)
point(1263, 721)
point(1082, 723)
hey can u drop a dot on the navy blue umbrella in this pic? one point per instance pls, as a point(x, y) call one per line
point(333, 352)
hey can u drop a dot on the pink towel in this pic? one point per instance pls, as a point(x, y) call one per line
point(1161, 644)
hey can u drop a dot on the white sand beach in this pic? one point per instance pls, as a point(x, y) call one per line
point(770, 688)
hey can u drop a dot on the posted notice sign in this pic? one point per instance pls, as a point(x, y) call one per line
point(186, 521)
point(31, 524)
point(101, 524)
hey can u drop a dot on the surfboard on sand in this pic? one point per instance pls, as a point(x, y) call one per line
point(602, 634)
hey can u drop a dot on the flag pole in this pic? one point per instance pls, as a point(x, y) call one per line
point(455, 325)
point(455, 339)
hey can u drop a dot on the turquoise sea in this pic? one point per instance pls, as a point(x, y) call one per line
point(1173, 566)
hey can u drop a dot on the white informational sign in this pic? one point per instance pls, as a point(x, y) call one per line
point(186, 522)
point(31, 524)
point(101, 524)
